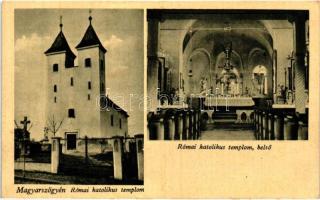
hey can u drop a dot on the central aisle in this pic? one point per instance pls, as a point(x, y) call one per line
point(227, 134)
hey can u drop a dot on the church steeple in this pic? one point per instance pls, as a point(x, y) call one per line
point(60, 45)
point(61, 25)
point(90, 37)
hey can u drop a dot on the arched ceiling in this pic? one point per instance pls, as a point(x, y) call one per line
point(244, 34)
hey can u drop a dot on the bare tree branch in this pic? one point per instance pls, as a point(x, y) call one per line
point(52, 125)
point(30, 127)
point(60, 124)
point(16, 124)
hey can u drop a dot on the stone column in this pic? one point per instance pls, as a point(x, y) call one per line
point(303, 131)
point(55, 154)
point(190, 136)
point(178, 125)
point(118, 167)
point(153, 63)
point(270, 127)
point(300, 50)
point(140, 161)
point(185, 126)
point(290, 128)
point(265, 126)
point(278, 127)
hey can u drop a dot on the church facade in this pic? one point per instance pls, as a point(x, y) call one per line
point(76, 95)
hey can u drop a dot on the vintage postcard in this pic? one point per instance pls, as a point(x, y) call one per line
point(160, 99)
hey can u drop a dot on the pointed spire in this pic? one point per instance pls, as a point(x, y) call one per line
point(61, 25)
point(60, 43)
point(90, 18)
point(90, 37)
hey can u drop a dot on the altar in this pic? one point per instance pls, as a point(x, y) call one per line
point(219, 101)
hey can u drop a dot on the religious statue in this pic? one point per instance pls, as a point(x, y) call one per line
point(281, 96)
point(203, 85)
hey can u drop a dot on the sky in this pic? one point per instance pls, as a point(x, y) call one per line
point(121, 33)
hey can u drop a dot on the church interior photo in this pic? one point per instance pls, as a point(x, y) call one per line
point(228, 74)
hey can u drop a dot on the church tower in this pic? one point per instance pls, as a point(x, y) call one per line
point(91, 55)
point(74, 92)
point(60, 62)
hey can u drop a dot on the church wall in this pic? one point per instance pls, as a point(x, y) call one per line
point(200, 66)
point(57, 111)
point(89, 110)
point(152, 73)
point(283, 43)
point(169, 43)
point(109, 130)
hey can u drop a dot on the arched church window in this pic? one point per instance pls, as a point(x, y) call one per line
point(55, 67)
point(87, 62)
point(55, 88)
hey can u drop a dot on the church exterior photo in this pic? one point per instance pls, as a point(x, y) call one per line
point(73, 120)
point(77, 94)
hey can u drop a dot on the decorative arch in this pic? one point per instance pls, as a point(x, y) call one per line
point(205, 51)
point(253, 51)
point(203, 70)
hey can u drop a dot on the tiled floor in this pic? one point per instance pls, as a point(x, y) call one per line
point(227, 134)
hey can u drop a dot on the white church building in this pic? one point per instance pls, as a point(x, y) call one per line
point(77, 94)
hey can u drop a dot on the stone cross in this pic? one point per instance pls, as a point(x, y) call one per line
point(25, 123)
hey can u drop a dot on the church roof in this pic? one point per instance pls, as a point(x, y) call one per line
point(90, 38)
point(60, 44)
point(111, 104)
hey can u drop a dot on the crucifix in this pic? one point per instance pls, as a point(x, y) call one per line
point(25, 123)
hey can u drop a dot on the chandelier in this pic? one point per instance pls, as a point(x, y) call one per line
point(228, 51)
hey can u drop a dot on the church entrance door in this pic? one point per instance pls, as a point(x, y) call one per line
point(71, 141)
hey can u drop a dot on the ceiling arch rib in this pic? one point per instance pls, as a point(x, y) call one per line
point(249, 29)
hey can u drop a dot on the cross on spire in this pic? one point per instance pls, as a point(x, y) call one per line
point(61, 23)
point(25, 123)
point(90, 18)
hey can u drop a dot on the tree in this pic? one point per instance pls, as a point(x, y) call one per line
point(53, 125)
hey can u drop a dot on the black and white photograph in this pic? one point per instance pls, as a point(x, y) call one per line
point(228, 74)
point(78, 96)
